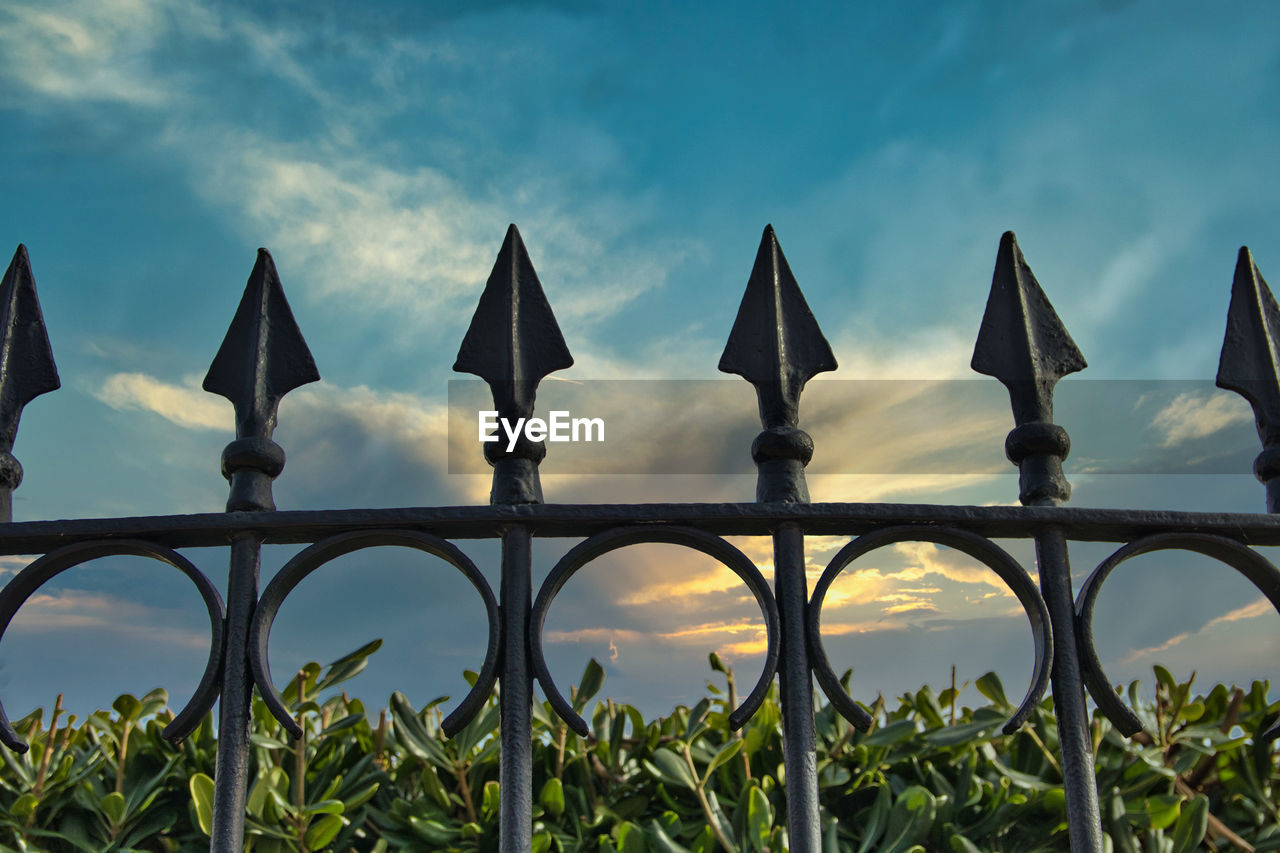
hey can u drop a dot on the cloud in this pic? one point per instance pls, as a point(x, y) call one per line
point(1252, 610)
point(185, 405)
point(926, 558)
point(90, 51)
point(725, 638)
point(1190, 416)
point(11, 565)
point(77, 610)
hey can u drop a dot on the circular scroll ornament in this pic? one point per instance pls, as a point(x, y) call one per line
point(985, 551)
point(28, 581)
point(611, 540)
point(1256, 568)
point(315, 556)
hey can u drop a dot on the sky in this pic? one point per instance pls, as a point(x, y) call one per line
point(379, 151)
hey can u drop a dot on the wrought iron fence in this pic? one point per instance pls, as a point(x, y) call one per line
point(775, 344)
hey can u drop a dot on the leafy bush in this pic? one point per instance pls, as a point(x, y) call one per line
point(931, 775)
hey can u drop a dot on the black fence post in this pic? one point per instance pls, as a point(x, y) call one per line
point(262, 358)
point(512, 343)
point(776, 345)
point(1024, 345)
point(26, 366)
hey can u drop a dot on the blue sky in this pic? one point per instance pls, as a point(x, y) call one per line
point(379, 152)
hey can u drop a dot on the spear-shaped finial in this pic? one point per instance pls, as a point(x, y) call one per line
point(512, 343)
point(1250, 364)
point(262, 358)
point(1024, 345)
point(776, 345)
point(26, 366)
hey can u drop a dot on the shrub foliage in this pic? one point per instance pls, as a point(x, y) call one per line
point(932, 775)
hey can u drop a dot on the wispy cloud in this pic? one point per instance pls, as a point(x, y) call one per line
point(71, 610)
point(92, 52)
point(731, 639)
point(1190, 416)
point(1252, 610)
point(185, 405)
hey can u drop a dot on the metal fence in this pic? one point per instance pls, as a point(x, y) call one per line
point(776, 345)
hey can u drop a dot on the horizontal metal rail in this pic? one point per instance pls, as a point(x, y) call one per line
point(553, 521)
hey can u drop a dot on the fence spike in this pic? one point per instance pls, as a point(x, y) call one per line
point(1250, 364)
point(1023, 343)
point(262, 358)
point(776, 345)
point(512, 343)
point(26, 365)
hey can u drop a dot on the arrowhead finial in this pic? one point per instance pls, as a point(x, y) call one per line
point(1023, 343)
point(26, 365)
point(1250, 364)
point(776, 345)
point(512, 343)
point(514, 340)
point(262, 358)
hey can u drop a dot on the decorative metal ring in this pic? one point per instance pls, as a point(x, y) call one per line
point(29, 580)
point(1256, 568)
point(610, 540)
point(315, 556)
point(985, 551)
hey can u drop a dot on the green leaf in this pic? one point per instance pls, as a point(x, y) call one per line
point(717, 664)
point(911, 818)
point(759, 818)
point(324, 807)
point(112, 805)
point(1163, 809)
point(323, 831)
point(24, 806)
point(831, 836)
point(589, 685)
point(671, 768)
point(895, 732)
point(1163, 676)
point(413, 735)
point(875, 824)
point(661, 842)
point(361, 797)
point(989, 686)
point(552, 797)
point(490, 799)
point(202, 795)
point(127, 707)
point(960, 844)
point(359, 654)
point(726, 752)
point(345, 723)
point(1192, 824)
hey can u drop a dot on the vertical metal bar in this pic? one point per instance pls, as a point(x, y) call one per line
point(516, 763)
point(799, 748)
point(262, 358)
point(1024, 344)
point(512, 343)
point(776, 345)
point(1084, 819)
point(231, 777)
point(26, 365)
